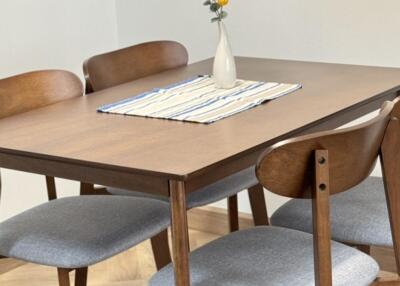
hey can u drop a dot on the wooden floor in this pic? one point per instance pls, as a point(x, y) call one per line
point(132, 268)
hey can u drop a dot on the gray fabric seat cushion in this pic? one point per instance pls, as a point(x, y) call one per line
point(270, 256)
point(219, 190)
point(358, 216)
point(80, 231)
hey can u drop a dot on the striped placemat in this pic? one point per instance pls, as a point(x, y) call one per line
point(198, 100)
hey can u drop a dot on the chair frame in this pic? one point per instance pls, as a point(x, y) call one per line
point(33, 90)
point(321, 221)
point(114, 63)
point(319, 178)
point(36, 89)
point(42, 88)
point(80, 276)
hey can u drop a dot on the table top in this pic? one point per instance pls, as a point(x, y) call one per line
point(73, 131)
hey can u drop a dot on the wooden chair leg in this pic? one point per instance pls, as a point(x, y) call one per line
point(51, 188)
point(63, 277)
point(321, 221)
point(258, 205)
point(81, 275)
point(233, 213)
point(364, 248)
point(86, 189)
point(161, 252)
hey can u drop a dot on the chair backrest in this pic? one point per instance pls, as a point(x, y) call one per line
point(326, 163)
point(29, 91)
point(37, 89)
point(121, 66)
point(287, 168)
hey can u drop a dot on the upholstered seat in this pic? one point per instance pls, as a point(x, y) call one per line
point(358, 216)
point(80, 231)
point(219, 190)
point(270, 256)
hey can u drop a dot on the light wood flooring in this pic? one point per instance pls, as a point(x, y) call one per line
point(131, 268)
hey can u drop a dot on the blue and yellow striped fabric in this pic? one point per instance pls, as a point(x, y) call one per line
point(198, 100)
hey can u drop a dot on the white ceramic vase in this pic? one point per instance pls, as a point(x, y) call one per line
point(224, 72)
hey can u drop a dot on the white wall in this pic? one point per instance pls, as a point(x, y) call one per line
point(41, 35)
point(356, 32)
point(54, 34)
point(185, 21)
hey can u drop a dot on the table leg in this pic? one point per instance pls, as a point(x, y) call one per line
point(233, 213)
point(180, 235)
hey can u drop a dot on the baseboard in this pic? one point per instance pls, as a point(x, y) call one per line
point(215, 220)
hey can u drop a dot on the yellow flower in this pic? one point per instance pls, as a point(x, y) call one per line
point(223, 2)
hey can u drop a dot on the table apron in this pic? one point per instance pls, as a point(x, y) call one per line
point(87, 174)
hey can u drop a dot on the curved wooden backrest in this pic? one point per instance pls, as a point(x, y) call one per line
point(287, 168)
point(33, 90)
point(28, 91)
point(121, 66)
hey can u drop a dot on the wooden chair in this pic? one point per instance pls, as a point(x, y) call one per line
point(359, 217)
point(314, 166)
point(121, 66)
point(125, 65)
point(72, 233)
point(34, 90)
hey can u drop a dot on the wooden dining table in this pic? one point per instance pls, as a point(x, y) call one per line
point(171, 158)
